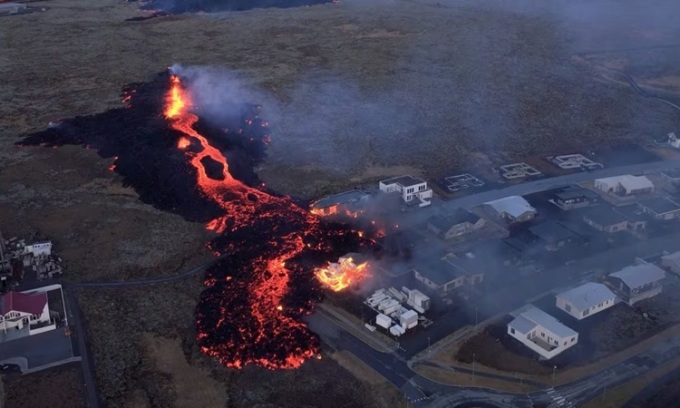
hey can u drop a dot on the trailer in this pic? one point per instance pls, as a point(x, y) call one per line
point(383, 321)
point(397, 330)
point(409, 319)
point(400, 296)
point(417, 300)
point(390, 307)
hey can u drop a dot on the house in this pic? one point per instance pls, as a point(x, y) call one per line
point(636, 282)
point(20, 310)
point(552, 234)
point(512, 209)
point(11, 8)
point(335, 204)
point(605, 219)
point(439, 275)
point(661, 208)
point(472, 267)
point(542, 333)
point(672, 262)
point(625, 185)
point(586, 300)
point(459, 223)
point(572, 197)
point(39, 248)
point(635, 217)
point(410, 188)
point(673, 140)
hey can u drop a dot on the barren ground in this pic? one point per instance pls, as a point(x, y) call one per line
point(351, 90)
point(59, 387)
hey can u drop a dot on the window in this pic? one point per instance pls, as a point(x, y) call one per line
point(556, 343)
point(422, 187)
point(410, 190)
point(512, 330)
point(542, 334)
point(567, 308)
point(586, 312)
point(573, 339)
point(599, 305)
point(566, 342)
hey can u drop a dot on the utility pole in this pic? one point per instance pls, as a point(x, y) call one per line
point(553, 378)
point(473, 368)
point(604, 392)
point(475, 317)
point(429, 350)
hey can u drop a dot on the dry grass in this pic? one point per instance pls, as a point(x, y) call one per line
point(619, 395)
point(192, 385)
point(465, 380)
point(59, 387)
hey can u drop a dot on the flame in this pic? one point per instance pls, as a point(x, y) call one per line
point(341, 275)
point(272, 327)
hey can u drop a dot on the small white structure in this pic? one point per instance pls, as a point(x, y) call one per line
point(410, 188)
point(542, 333)
point(672, 262)
point(39, 248)
point(673, 140)
point(417, 300)
point(511, 209)
point(11, 8)
point(586, 300)
point(383, 321)
point(637, 282)
point(408, 319)
point(625, 185)
point(19, 310)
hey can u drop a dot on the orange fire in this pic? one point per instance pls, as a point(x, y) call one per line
point(341, 275)
point(242, 207)
point(335, 210)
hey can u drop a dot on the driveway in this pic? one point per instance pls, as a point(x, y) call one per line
point(38, 351)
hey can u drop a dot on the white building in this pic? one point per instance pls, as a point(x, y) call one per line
point(19, 310)
point(410, 188)
point(625, 185)
point(542, 333)
point(586, 300)
point(672, 262)
point(511, 209)
point(673, 140)
point(637, 282)
point(39, 248)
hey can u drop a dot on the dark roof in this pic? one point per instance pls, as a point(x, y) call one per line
point(551, 231)
point(632, 212)
point(438, 271)
point(404, 181)
point(21, 302)
point(341, 198)
point(446, 222)
point(604, 215)
point(659, 205)
point(569, 192)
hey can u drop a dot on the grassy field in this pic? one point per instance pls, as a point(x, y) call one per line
point(59, 387)
point(353, 91)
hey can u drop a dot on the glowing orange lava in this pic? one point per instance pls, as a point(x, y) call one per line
point(269, 281)
point(341, 275)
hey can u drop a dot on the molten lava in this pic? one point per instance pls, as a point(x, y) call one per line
point(341, 275)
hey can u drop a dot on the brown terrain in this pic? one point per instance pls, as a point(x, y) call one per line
point(353, 91)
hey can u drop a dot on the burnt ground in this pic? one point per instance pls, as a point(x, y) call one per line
point(352, 89)
point(59, 387)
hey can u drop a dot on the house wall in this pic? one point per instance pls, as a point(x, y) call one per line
point(543, 334)
point(609, 187)
point(670, 264)
point(662, 217)
point(577, 313)
point(638, 191)
point(425, 281)
point(413, 192)
point(458, 282)
point(388, 188)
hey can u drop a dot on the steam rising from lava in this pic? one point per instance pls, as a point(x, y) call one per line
point(257, 292)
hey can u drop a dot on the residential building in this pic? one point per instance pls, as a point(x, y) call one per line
point(459, 223)
point(572, 197)
point(39, 248)
point(552, 234)
point(586, 300)
point(542, 333)
point(347, 202)
point(410, 188)
point(661, 208)
point(469, 265)
point(636, 282)
point(439, 275)
point(672, 262)
point(673, 140)
point(636, 218)
point(671, 177)
point(512, 209)
point(605, 219)
point(20, 310)
point(625, 185)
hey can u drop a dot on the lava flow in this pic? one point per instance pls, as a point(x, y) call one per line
point(341, 275)
point(263, 283)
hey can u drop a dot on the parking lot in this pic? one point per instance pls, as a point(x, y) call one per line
point(32, 353)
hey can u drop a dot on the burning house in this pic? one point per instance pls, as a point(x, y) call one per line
point(349, 203)
point(340, 275)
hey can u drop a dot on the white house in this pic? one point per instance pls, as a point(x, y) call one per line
point(637, 282)
point(673, 140)
point(586, 300)
point(39, 248)
point(410, 188)
point(625, 185)
point(542, 333)
point(18, 310)
point(511, 209)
